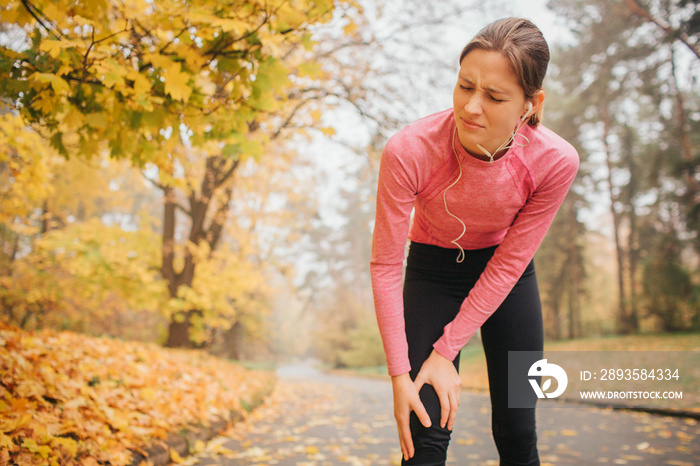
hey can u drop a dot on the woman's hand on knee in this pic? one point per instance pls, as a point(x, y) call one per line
point(406, 399)
point(440, 372)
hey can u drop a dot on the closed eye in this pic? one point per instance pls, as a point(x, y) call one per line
point(470, 89)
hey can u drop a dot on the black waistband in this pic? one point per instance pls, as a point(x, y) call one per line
point(428, 256)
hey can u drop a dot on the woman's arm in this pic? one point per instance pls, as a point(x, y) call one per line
point(511, 257)
point(396, 193)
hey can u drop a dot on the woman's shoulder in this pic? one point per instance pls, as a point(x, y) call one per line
point(423, 138)
point(550, 147)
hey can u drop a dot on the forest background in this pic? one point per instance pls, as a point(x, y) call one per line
point(198, 176)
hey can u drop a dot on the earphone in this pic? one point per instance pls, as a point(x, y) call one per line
point(510, 140)
point(506, 145)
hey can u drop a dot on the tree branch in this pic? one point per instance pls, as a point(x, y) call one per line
point(638, 10)
point(30, 8)
point(228, 174)
point(178, 206)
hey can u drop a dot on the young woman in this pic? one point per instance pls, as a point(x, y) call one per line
point(485, 180)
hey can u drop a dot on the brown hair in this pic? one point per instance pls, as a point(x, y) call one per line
point(523, 44)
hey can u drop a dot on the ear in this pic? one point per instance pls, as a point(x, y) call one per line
point(537, 101)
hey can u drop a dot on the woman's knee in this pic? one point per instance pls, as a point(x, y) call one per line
point(430, 444)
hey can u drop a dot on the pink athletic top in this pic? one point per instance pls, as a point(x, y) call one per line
point(510, 202)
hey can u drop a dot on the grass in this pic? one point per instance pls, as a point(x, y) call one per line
point(657, 348)
point(604, 351)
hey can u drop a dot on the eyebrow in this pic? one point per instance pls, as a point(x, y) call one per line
point(495, 90)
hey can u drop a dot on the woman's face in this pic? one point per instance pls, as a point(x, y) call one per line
point(488, 101)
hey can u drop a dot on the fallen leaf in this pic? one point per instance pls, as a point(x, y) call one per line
point(175, 456)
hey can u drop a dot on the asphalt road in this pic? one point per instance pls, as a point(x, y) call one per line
point(316, 419)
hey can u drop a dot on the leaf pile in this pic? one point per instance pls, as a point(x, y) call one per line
point(67, 398)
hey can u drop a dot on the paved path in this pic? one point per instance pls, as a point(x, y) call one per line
point(315, 419)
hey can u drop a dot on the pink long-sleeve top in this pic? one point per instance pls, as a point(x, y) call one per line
point(510, 202)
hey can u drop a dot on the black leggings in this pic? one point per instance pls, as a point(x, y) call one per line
point(435, 287)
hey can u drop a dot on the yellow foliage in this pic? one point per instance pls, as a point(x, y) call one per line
point(25, 163)
point(133, 68)
point(86, 402)
point(72, 273)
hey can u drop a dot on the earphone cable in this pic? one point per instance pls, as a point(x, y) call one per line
point(461, 255)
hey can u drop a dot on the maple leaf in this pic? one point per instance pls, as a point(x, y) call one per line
point(176, 82)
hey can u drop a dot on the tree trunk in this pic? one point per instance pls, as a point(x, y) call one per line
point(178, 331)
point(574, 279)
point(692, 196)
point(556, 320)
point(218, 171)
point(633, 234)
point(622, 316)
point(45, 218)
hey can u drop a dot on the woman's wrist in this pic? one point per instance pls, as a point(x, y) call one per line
point(397, 378)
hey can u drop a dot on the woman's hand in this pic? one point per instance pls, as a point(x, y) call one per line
point(406, 399)
point(440, 372)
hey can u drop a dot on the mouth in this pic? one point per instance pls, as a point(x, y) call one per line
point(470, 124)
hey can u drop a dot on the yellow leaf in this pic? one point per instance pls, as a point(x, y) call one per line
point(97, 120)
point(60, 86)
point(311, 450)
point(19, 15)
point(462, 441)
point(10, 54)
point(328, 131)
point(148, 393)
point(68, 444)
point(569, 433)
point(307, 42)
point(194, 60)
point(229, 24)
point(80, 20)
point(113, 74)
point(44, 103)
point(350, 28)
point(5, 441)
point(272, 73)
point(198, 17)
point(175, 456)
point(31, 445)
point(64, 70)
point(158, 60)
point(312, 69)
point(30, 388)
point(141, 84)
point(73, 119)
point(176, 83)
point(199, 446)
point(52, 47)
point(289, 17)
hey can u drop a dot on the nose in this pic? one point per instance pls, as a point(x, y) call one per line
point(473, 104)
